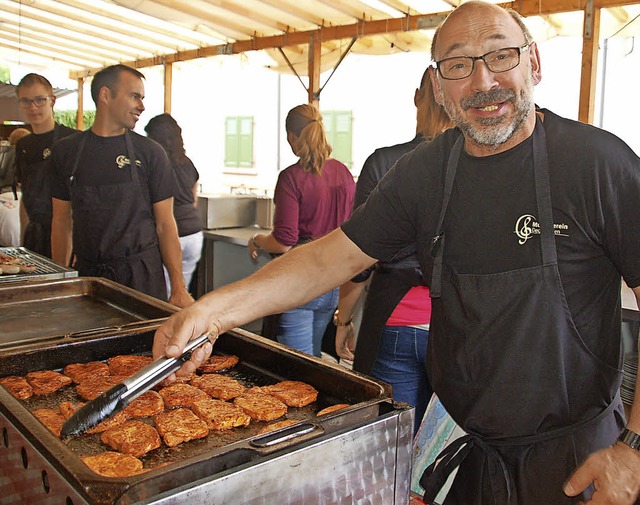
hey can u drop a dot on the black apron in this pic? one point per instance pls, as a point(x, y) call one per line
point(509, 366)
point(390, 282)
point(116, 236)
point(36, 198)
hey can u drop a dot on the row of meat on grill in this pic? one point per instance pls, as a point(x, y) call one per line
point(180, 412)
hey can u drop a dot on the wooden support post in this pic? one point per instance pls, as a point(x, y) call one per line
point(315, 54)
point(168, 84)
point(80, 111)
point(591, 36)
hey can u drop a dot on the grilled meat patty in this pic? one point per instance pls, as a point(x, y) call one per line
point(219, 386)
point(132, 437)
point(261, 406)
point(180, 425)
point(147, 404)
point(293, 393)
point(17, 386)
point(67, 409)
point(82, 371)
point(181, 395)
point(127, 364)
point(45, 382)
point(332, 408)
point(113, 464)
point(92, 387)
point(51, 418)
point(220, 415)
point(218, 362)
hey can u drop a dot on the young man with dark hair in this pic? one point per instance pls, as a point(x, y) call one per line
point(113, 195)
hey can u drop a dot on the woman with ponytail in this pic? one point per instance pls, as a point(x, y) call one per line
point(312, 197)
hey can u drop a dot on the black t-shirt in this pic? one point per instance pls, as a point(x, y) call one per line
point(186, 214)
point(491, 223)
point(30, 150)
point(104, 161)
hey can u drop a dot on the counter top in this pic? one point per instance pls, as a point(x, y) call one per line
point(237, 236)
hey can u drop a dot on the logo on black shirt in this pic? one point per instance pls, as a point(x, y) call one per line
point(527, 226)
point(46, 153)
point(122, 160)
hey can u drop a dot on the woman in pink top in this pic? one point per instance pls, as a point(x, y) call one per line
point(312, 197)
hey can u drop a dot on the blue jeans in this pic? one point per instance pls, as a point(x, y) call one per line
point(401, 362)
point(304, 327)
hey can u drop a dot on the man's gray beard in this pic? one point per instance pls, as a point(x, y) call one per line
point(494, 133)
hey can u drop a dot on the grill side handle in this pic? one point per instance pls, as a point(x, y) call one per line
point(283, 435)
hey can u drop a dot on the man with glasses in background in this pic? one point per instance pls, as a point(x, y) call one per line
point(33, 166)
point(524, 223)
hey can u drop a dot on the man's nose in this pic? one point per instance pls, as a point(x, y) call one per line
point(481, 77)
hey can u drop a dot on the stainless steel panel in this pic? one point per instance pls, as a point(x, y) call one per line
point(227, 211)
point(370, 465)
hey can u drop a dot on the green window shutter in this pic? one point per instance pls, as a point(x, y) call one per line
point(245, 142)
point(238, 147)
point(338, 127)
point(231, 142)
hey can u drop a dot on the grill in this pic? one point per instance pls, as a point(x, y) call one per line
point(33, 313)
point(358, 455)
point(45, 268)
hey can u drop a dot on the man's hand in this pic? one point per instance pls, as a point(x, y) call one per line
point(181, 298)
point(615, 474)
point(170, 339)
point(345, 342)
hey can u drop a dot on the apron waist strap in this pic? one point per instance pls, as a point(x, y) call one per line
point(109, 268)
point(502, 484)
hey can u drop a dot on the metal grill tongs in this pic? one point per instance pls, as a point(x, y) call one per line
point(119, 396)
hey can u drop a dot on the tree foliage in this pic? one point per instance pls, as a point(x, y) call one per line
point(68, 117)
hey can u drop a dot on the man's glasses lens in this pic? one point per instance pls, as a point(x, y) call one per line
point(40, 101)
point(460, 67)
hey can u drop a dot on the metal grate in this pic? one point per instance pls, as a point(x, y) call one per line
point(46, 269)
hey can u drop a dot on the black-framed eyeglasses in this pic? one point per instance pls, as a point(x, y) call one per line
point(40, 101)
point(500, 60)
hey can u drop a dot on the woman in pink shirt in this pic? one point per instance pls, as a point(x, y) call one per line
point(312, 197)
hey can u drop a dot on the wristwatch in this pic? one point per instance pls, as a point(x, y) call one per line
point(337, 322)
point(630, 438)
point(253, 241)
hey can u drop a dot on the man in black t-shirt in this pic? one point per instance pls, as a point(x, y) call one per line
point(113, 195)
point(523, 223)
point(33, 161)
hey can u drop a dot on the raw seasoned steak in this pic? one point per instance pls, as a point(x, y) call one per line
point(51, 418)
point(113, 464)
point(218, 362)
point(127, 364)
point(133, 437)
point(45, 382)
point(181, 395)
point(277, 425)
point(261, 406)
point(91, 388)
point(147, 404)
point(293, 393)
point(17, 386)
point(220, 415)
point(81, 371)
point(333, 408)
point(219, 386)
point(180, 425)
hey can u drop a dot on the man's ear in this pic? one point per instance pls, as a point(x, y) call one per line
point(104, 94)
point(53, 100)
point(435, 83)
point(534, 59)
